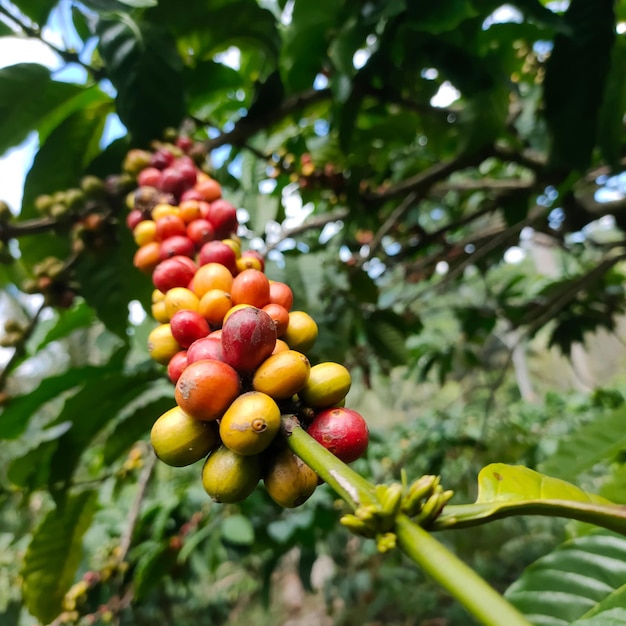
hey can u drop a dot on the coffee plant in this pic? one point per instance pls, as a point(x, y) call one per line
point(253, 237)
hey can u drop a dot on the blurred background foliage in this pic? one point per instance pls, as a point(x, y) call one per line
point(442, 186)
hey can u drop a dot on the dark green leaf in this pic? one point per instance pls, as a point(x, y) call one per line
point(242, 23)
point(54, 553)
point(36, 10)
point(89, 411)
point(581, 579)
point(134, 425)
point(613, 106)
point(109, 281)
point(85, 25)
point(599, 440)
point(78, 316)
point(143, 64)
point(575, 81)
point(152, 567)
point(612, 617)
point(237, 530)
point(28, 99)
point(305, 42)
point(386, 340)
point(15, 416)
point(439, 17)
point(32, 470)
point(58, 165)
point(363, 288)
point(5, 30)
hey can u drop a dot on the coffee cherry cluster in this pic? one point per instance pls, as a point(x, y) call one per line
point(233, 346)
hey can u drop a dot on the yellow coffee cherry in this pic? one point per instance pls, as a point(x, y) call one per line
point(161, 344)
point(288, 480)
point(328, 384)
point(229, 477)
point(250, 423)
point(180, 299)
point(301, 332)
point(282, 375)
point(180, 440)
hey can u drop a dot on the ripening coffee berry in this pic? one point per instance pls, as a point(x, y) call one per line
point(205, 348)
point(229, 477)
point(280, 293)
point(177, 365)
point(214, 305)
point(301, 331)
point(180, 440)
point(288, 480)
point(161, 344)
point(211, 276)
point(180, 299)
point(342, 431)
point(248, 338)
point(223, 216)
point(282, 375)
point(175, 272)
point(206, 389)
point(328, 383)
point(280, 315)
point(218, 252)
point(250, 423)
point(188, 326)
point(147, 257)
point(178, 245)
point(251, 287)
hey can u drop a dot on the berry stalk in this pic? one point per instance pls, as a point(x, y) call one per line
point(462, 582)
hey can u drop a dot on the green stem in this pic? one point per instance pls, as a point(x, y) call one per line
point(478, 597)
point(352, 487)
point(463, 583)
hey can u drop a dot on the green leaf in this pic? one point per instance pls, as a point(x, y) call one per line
point(599, 440)
point(57, 166)
point(80, 315)
point(28, 98)
point(63, 157)
point(143, 64)
point(83, 24)
point(109, 281)
point(613, 106)
point(505, 490)
point(37, 10)
point(101, 400)
point(134, 424)
point(15, 417)
point(612, 617)
point(580, 579)
point(385, 335)
point(238, 530)
point(306, 41)
point(242, 23)
point(152, 567)
point(576, 74)
point(439, 17)
point(54, 554)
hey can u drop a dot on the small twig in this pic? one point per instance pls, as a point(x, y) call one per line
point(247, 127)
point(388, 225)
point(563, 299)
point(135, 509)
point(319, 221)
point(19, 348)
point(424, 180)
point(14, 230)
point(34, 32)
